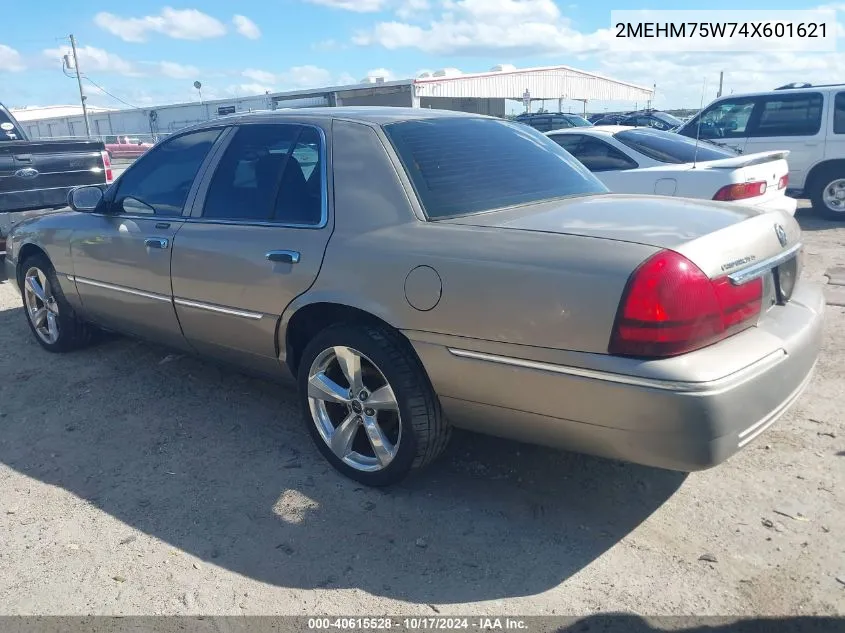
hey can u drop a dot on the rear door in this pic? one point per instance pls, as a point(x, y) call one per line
point(789, 121)
point(255, 241)
point(835, 144)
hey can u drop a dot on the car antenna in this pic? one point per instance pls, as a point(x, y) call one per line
point(698, 124)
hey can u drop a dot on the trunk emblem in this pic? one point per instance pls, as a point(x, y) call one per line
point(781, 233)
point(26, 172)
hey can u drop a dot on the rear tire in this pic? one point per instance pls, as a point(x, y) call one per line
point(827, 193)
point(50, 317)
point(391, 426)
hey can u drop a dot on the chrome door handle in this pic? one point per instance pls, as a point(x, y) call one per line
point(156, 242)
point(285, 257)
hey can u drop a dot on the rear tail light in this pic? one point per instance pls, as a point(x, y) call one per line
point(783, 182)
point(107, 167)
point(741, 191)
point(671, 307)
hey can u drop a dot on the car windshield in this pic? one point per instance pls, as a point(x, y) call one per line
point(578, 121)
point(667, 118)
point(668, 147)
point(462, 165)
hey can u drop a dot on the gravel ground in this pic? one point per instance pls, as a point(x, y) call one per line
point(136, 482)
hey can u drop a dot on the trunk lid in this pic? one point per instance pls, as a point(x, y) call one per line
point(719, 237)
point(768, 167)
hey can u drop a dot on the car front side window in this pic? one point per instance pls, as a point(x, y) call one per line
point(159, 182)
point(727, 119)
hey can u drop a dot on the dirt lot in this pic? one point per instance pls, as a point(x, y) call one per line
point(133, 482)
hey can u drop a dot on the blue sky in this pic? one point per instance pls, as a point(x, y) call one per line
point(149, 51)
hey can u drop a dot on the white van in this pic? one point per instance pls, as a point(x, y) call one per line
point(808, 121)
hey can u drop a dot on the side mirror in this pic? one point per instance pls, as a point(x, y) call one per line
point(85, 199)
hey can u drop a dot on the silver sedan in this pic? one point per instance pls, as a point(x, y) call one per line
point(413, 270)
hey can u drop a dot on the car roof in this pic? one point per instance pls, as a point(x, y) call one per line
point(375, 115)
point(608, 130)
point(766, 93)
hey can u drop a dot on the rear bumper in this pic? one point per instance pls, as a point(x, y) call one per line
point(671, 424)
point(779, 203)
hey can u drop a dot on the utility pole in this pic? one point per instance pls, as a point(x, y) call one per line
point(79, 81)
point(721, 77)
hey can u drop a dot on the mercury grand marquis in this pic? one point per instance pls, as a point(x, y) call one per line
point(411, 271)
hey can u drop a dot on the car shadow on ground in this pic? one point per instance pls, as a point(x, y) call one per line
point(809, 220)
point(220, 466)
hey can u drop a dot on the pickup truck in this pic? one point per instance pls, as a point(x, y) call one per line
point(125, 146)
point(36, 176)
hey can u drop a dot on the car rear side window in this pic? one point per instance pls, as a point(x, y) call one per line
point(839, 113)
point(269, 173)
point(465, 165)
point(668, 147)
point(595, 154)
point(158, 183)
point(789, 115)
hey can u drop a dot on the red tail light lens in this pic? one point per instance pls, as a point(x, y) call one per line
point(671, 307)
point(741, 191)
point(107, 167)
point(783, 182)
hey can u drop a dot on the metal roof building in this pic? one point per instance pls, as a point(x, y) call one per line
point(448, 89)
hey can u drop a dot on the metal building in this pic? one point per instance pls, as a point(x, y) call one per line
point(448, 89)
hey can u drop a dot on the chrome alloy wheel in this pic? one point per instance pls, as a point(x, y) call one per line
point(41, 307)
point(833, 195)
point(354, 408)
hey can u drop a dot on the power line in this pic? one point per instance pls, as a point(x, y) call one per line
point(95, 84)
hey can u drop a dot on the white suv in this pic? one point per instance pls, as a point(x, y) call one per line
point(809, 122)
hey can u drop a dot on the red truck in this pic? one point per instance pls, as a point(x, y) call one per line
point(125, 146)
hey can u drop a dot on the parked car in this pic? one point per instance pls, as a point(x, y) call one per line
point(648, 118)
point(809, 122)
point(645, 160)
point(125, 146)
point(431, 269)
point(609, 119)
point(37, 175)
point(547, 121)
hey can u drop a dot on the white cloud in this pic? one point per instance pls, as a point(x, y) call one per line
point(181, 24)
point(178, 71)
point(381, 72)
point(488, 27)
point(293, 78)
point(358, 6)
point(531, 28)
point(411, 9)
point(92, 59)
point(10, 60)
point(246, 27)
point(261, 76)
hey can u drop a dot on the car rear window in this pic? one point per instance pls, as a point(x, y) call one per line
point(465, 165)
point(668, 147)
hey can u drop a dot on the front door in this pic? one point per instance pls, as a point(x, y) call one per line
point(121, 254)
point(255, 241)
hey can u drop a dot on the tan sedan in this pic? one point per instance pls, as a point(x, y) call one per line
point(412, 270)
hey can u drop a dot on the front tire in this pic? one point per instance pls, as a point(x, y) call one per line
point(368, 404)
point(50, 317)
point(827, 193)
